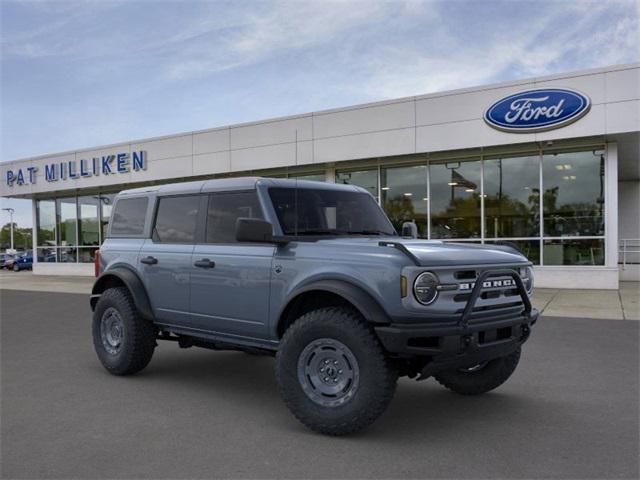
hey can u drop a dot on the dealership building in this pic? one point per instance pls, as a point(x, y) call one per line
point(550, 164)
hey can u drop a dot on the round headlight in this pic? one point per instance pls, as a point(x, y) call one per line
point(528, 281)
point(425, 288)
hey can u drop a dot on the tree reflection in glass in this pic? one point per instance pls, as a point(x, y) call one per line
point(404, 196)
point(512, 197)
point(573, 198)
point(455, 199)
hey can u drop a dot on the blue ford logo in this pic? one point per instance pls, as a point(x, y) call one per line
point(537, 110)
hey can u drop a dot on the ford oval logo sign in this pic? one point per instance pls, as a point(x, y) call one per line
point(537, 110)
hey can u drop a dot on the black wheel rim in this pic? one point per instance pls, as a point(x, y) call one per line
point(111, 331)
point(328, 372)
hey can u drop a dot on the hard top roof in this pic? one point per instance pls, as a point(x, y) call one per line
point(236, 183)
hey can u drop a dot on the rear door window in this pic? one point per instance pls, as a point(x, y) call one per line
point(128, 216)
point(176, 219)
point(224, 209)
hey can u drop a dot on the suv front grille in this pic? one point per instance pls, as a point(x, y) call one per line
point(498, 294)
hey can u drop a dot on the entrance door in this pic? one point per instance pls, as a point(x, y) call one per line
point(165, 259)
point(230, 282)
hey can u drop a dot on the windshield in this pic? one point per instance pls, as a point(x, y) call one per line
point(307, 211)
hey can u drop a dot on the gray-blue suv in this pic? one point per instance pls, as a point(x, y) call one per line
point(315, 275)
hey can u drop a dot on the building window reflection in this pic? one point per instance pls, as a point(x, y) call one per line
point(70, 230)
point(367, 179)
point(574, 251)
point(573, 196)
point(106, 206)
point(455, 199)
point(512, 197)
point(88, 221)
point(405, 196)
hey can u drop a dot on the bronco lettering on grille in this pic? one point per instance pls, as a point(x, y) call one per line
point(508, 282)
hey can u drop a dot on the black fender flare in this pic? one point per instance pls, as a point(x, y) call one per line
point(132, 281)
point(368, 306)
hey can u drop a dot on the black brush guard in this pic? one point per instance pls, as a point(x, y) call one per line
point(459, 345)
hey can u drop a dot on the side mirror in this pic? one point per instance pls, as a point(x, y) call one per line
point(253, 230)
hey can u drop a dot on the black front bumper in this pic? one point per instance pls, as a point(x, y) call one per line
point(466, 342)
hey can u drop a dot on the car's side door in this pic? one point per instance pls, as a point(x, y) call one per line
point(165, 258)
point(230, 281)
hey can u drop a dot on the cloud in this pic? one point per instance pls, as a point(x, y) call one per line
point(556, 40)
point(286, 27)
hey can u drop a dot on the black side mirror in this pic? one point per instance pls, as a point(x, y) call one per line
point(253, 230)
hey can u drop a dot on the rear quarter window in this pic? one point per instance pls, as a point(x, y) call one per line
point(128, 217)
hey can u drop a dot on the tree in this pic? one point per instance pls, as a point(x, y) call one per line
point(22, 237)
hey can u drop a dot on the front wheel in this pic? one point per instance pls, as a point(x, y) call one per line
point(16, 268)
point(480, 378)
point(124, 341)
point(332, 372)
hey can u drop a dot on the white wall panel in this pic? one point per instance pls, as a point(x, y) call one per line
point(211, 163)
point(623, 85)
point(469, 134)
point(461, 107)
point(166, 147)
point(367, 119)
point(305, 153)
point(81, 269)
point(167, 168)
point(623, 116)
point(271, 133)
point(593, 123)
point(379, 144)
point(576, 277)
point(263, 157)
point(212, 141)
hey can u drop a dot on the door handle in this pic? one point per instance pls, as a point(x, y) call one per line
point(149, 260)
point(204, 263)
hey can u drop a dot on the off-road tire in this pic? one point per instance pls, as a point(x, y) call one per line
point(377, 376)
point(138, 338)
point(489, 377)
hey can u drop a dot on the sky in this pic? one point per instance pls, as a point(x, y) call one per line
point(86, 73)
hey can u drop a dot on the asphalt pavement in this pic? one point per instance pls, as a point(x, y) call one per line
point(569, 411)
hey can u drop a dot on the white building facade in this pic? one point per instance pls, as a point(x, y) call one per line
point(549, 164)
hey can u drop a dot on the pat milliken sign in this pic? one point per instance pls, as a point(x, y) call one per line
point(537, 110)
point(117, 163)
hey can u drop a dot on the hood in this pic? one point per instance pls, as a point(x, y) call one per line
point(434, 253)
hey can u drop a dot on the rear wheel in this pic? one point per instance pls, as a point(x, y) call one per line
point(16, 268)
point(480, 378)
point(124, 341)
point(332, 372)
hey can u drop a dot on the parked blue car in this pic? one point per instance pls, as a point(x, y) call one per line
point(23, 262)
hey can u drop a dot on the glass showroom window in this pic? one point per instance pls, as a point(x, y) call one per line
point(106, 206)
point(573, 198)
point(573, 207)
point(46, 230)
point(512, 197)
point(363, 178)
point(316, 177)
point(67, 229)
point(88, 228)
point(405, 197)
point(455, 199)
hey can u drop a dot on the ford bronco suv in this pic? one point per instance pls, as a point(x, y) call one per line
point(314, 274)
